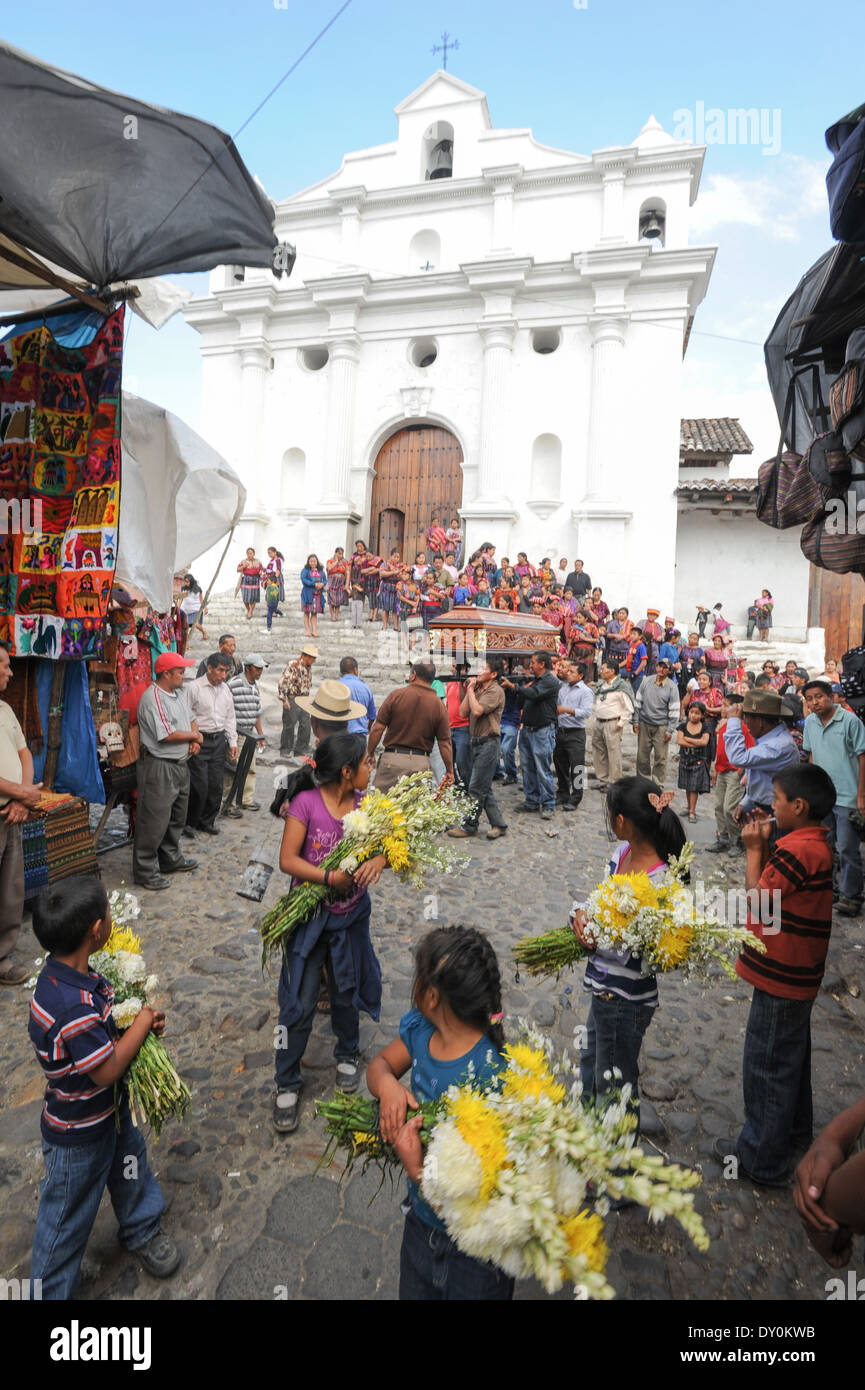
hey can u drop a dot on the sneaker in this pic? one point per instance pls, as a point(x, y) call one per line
point(347, 1076)
point(510, 781)
point(160, 1256)
point(721, 846)
point(496, 832)
point(15, 975)
point(251, 806)
point(524, 806)
point(848, 907)
point(286, 1111)
point(546, 812)
point(234, 812)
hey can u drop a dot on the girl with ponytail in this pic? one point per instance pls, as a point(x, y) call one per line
point(454, 1032)
point(623, 996)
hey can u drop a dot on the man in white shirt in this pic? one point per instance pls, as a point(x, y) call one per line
point(212, 707)
point(18, 795)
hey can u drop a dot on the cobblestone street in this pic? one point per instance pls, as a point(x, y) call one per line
point(253, 1218)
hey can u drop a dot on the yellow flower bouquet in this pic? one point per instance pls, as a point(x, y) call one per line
point(659, 922)
point(522, 1173)
point(401, 824)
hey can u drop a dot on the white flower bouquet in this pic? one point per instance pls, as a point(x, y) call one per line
point(155, 1088)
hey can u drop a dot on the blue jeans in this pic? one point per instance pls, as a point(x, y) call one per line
point(76, 1176)
point(636, 681)
point(344, 1018)
point(614, 1035)
point(510, 734)
point(462, 746)
point(536, 759)
point(776, 1083)
point(431, 1268)
point(271, 609)
point(845, 839)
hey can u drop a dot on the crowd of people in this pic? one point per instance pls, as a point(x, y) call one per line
point(782, 751)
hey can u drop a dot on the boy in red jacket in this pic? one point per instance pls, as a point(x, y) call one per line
point(776, 1067)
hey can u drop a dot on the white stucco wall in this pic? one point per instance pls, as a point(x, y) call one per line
point(729, 560)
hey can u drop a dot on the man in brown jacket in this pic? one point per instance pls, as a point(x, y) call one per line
point(411, 720)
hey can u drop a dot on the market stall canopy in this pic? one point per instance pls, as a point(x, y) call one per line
point(809, 339)
point(110, 188)
point(179, 497)
point(25, 292)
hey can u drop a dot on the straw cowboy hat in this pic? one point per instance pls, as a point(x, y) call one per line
point(766, 702)
point(333, 701)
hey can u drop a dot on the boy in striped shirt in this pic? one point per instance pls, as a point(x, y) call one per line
point(776, 1066)
point(88, 1138)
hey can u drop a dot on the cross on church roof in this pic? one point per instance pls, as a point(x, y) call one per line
point(446, 43)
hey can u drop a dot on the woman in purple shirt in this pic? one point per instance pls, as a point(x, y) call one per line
point(313, 804)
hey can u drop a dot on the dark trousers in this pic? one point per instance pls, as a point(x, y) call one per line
point(206, 773)
point(614, 1036)
point(344, 1018)
point(432, 1269)
point(246, 752)
point(296, 729)
point(163, 798)
point(485, 760)
point(462, 753)
point(776, 1083)
point(11, 890)
point(569, 760)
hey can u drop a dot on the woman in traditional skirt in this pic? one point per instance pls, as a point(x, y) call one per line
point(694, 740)
point(275, 562)
point(312, 579)
point(408, 604)
point(389, 577)
point(371, 579)
point(764, 606)
point(717, 660)
point(250, 572)
point(337, 578)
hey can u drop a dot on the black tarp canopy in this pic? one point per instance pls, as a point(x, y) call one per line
point(110, 188)
point(809, 338)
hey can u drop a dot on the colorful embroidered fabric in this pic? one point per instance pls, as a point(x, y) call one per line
point(60, 463)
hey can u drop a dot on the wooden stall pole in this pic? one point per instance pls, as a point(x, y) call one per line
point(55, 718)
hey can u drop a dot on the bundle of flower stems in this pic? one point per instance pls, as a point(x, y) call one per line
point(154, 1086)
point(514, 1166)
point(401, 824)
point(656, 921)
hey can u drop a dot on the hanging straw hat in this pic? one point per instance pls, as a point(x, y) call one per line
point(331, 701)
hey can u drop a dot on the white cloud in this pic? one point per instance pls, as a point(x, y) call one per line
point(774, 201)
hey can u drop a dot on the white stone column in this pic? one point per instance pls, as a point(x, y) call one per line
point(604, 454)
point(254, 366)
point(344, 359)
point(613, 215)
point(498, 342)
point(502, 182)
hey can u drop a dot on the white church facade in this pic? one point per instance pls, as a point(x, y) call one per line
point(476, 324)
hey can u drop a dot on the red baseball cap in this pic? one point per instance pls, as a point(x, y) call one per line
point(167, 661)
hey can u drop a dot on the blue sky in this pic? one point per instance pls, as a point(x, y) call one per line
point(581, 78)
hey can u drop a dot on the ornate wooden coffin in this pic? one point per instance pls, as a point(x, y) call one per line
point(464, 634)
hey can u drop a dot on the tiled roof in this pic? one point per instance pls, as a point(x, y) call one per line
point(721, 486)
point(724, 436)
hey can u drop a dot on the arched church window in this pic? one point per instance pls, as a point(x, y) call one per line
point(438, 151)
point(293, 480)
point(546, 468)
point(424, 252)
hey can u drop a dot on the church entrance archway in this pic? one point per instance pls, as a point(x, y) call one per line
point(418, 475)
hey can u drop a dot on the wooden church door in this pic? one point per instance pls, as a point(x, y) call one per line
point(418, 474)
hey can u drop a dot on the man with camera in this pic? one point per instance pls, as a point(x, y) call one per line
point(539, 702)
point(483, 702)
